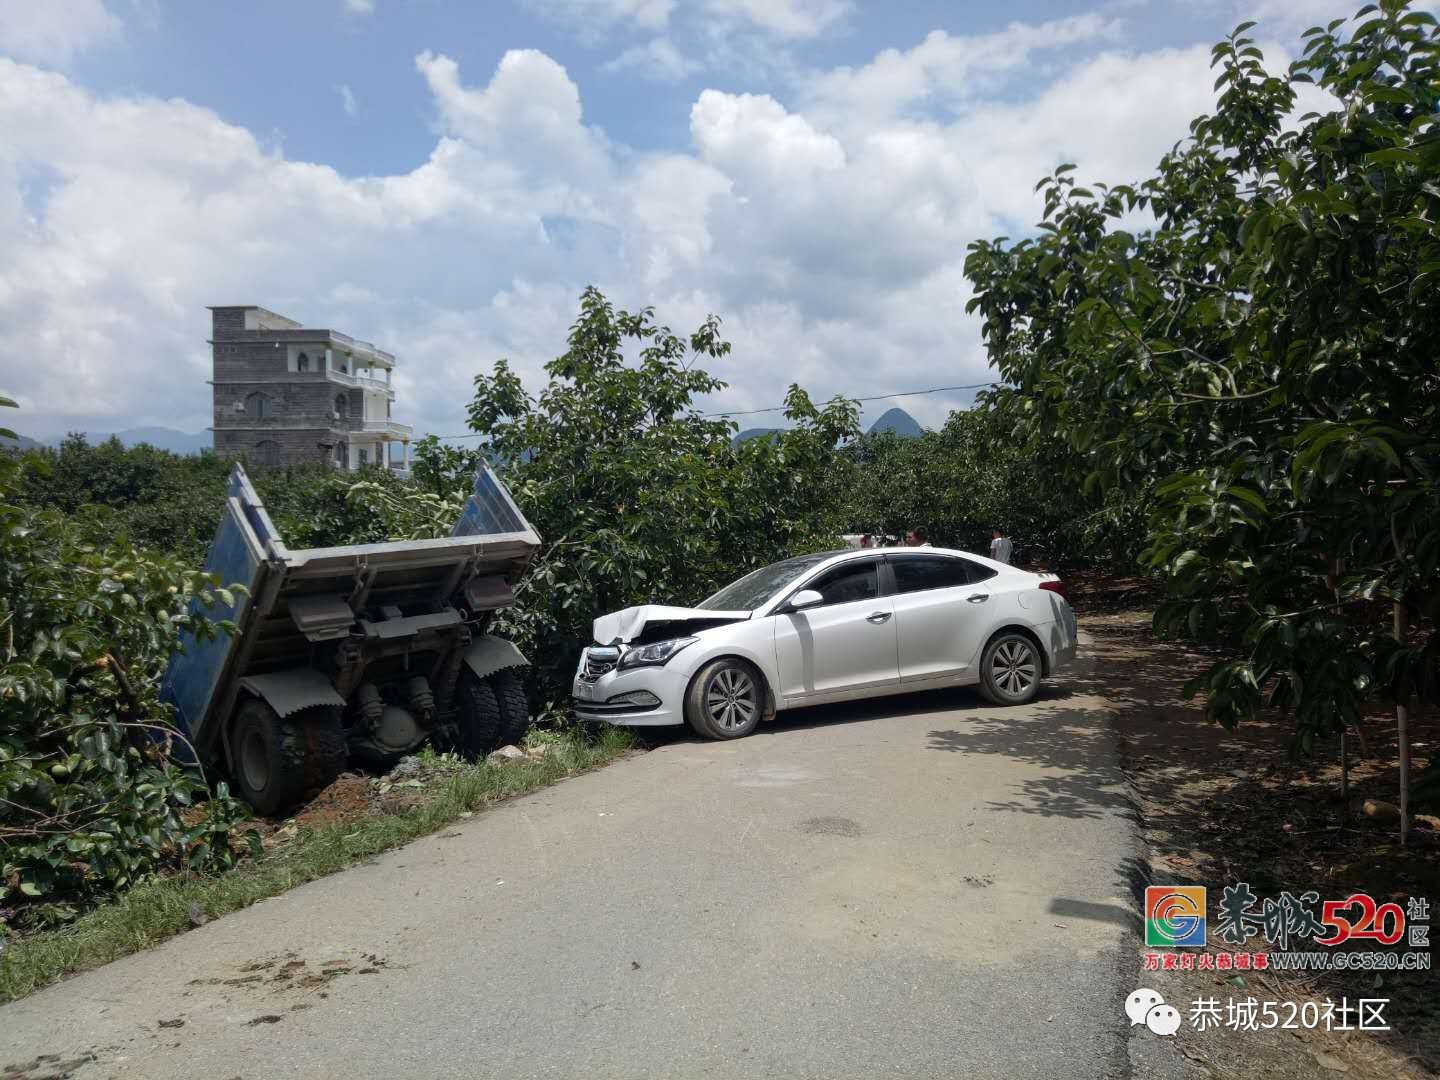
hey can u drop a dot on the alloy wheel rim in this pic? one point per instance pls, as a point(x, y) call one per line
point(1014, 668)
point(730, 699)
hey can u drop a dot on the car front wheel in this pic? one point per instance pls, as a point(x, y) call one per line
point(725, 700)
point(1010, 670)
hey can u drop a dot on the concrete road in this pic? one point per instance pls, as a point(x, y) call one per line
point(926, 887)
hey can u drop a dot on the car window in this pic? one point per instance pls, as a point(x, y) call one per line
point(978, 573)
point(755, 588)
point(920, 573)
point(848, 583)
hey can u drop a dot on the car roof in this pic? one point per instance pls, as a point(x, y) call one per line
point(838, 557)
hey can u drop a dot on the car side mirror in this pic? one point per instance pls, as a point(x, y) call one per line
point(806, 598)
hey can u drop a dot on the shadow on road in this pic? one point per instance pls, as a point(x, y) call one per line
point(1076, 744)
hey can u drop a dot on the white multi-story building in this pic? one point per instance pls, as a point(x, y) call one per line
point(287, 394)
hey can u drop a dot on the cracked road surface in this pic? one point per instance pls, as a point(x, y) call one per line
point(922, 887)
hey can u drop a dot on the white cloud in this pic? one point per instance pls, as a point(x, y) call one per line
point(658, 60)
point(719, 20)
point(945, 71)
point(53, 31)
point(588, 17)
point(347, 99)
point(832, 245)
point(785, 18)
point(360, 7)
point(1115, 115)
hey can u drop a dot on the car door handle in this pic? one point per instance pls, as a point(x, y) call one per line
point(978, 598)
point(878, 617)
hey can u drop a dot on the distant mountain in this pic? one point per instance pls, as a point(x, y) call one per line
point(899, 422)
point(753, 433)
point(162, 438)
point(20, 442)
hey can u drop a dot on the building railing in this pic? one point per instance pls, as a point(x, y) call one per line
point(387, 427)
point(360, 382)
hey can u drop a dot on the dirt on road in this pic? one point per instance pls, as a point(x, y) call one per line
point(1220, 807)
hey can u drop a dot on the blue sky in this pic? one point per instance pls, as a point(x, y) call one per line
point(276, 66)
point(443, 178)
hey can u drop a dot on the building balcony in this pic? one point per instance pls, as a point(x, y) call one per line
point(383, 427)
point(361, 382)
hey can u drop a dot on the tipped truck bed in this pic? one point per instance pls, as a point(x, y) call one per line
point(298, 598)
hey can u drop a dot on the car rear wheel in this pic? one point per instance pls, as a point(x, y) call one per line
point(1010, 670)
point(725, 700)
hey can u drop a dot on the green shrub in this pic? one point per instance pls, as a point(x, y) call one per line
point(93, 795)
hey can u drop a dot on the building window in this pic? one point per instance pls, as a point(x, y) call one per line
point(266, 454)
point(342, 454)
point(387, 410)
point(302, 362)
point(259, 406)
point(342, 406)
point(364, 456)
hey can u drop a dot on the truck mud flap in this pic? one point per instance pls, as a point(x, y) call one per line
point(290, 691)
point(487, 655)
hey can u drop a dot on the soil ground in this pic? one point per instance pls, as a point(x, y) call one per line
point(1219, 807)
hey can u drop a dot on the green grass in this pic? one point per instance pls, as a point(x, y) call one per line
point(156, 910)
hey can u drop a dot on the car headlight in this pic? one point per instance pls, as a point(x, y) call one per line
point(655, 654)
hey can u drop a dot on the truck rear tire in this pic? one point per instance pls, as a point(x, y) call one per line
point(509, 690)
point(269, 758)
point(326, 751)
point(477, 717)
point(278, 759)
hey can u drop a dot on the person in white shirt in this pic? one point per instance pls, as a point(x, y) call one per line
point(1000, 547)
point(916, 538)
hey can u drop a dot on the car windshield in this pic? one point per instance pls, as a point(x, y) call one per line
point(756, 587)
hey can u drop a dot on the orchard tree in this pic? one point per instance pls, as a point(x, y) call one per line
point(638, 496)
point(442, 469)
point(1261, 358)
point(975, 475)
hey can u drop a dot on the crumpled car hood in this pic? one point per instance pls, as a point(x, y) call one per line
point(655, 622)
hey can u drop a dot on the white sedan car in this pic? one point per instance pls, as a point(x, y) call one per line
point(835, 626)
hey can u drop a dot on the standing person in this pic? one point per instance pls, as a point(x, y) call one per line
point(916, 538)
point(1000, 546)
point(866, 542)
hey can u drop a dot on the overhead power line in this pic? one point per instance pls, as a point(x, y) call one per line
point(781, 408)
point(877, 397)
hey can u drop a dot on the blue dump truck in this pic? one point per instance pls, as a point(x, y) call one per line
point(357, 653)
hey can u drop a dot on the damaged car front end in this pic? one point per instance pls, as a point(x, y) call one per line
point(630, 678)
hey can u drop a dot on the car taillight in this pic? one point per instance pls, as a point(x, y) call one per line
point(1056, 587)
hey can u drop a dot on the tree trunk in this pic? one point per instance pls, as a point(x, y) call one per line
point(1334, 568)
point(1402, 730)
point(1344, 773)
